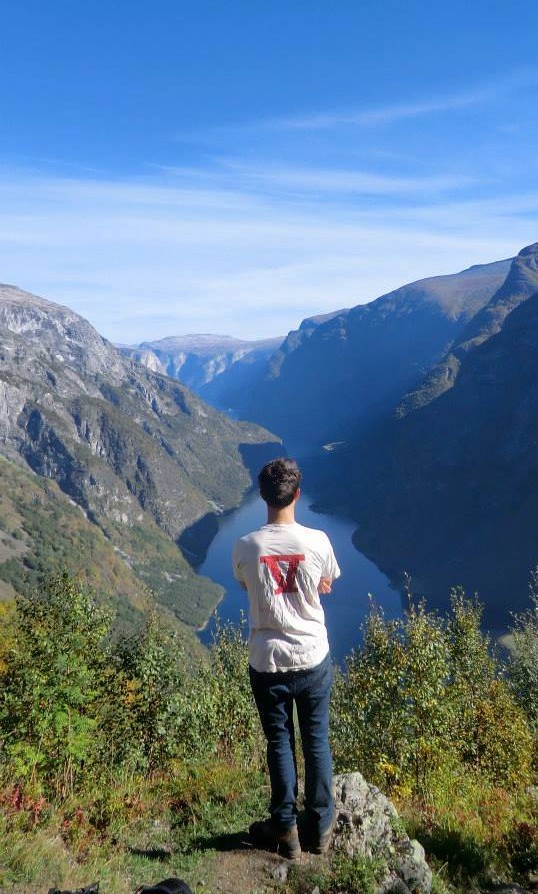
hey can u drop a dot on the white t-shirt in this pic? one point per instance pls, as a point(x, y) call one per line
point(281, 566)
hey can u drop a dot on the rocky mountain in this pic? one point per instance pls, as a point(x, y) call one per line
point(448, 489)
point(520, 283)
point(339, 374)
point(146, 460)
point(218, 368)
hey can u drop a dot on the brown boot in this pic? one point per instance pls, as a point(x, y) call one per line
point(267, 835)
point(321, 841)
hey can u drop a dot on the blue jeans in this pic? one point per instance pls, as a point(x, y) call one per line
point(275, 694)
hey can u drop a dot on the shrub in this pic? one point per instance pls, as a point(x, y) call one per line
point(523, 662)
point(143, 709)
point(391, 712)
point(422, 695)
point(49, 706)
point(219, 713)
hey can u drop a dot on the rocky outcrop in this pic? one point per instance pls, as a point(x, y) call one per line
point(367, 824)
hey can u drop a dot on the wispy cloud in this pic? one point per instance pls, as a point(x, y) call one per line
point(147, 258)
point(420, 107)
point(312, 179)
point(384, 115)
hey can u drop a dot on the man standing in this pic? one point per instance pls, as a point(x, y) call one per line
point(284, 567)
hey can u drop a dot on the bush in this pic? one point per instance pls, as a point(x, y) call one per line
point(391, 711)
point(523, 662)
point(50, 703)
point(422, 694)
point(143, 709)
point(219, 713)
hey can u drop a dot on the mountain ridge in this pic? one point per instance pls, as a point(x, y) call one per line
point(215, 367)
point(461, 468)
point(143, 457)
point(410, 328)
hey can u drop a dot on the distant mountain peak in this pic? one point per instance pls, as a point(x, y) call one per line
point(207, 343)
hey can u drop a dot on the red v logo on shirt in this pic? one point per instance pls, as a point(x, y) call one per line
point(283, 584)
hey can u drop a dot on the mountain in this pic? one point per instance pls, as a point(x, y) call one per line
point(149, 463)
point(447, 490)
point(42, 530)
point(218, 368)
point(337, 375)
point(521, 281)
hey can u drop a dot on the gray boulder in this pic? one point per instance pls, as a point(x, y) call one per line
point(367, 824)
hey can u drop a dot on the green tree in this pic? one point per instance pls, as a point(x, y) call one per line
point(50, 703)
point(423, 695)
point(523, 662)
point(143, 712)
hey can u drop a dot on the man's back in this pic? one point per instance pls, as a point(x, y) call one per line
point(284, 566)
point(281, 566)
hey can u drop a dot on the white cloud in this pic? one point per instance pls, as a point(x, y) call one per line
point(488, 92)
point(348, 181)
point(148, 258)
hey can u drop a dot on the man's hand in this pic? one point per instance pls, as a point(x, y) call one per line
point(325, 585)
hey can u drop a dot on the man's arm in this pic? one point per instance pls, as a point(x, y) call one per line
point(325, 585)
point(330, 571)
point(236, 566)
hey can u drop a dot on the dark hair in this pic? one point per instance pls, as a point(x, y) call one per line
point(279, 481)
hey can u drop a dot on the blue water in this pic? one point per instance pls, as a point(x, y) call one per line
point(345, 607)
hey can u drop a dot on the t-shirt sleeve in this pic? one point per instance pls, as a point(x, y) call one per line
point(330, 568)
point(237, 563)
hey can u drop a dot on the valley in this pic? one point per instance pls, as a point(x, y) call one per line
point(414, 417)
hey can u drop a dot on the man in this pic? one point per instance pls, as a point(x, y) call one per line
point(284, 567)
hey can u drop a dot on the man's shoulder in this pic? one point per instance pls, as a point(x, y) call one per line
point(248, 539)
point(312, 536)
point(314, 533)
point(252, 535)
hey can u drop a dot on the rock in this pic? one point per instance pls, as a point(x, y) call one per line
point(508, 888)
point(367, 825)
point(280, 873)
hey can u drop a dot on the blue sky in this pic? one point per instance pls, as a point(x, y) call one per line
point(233, 166)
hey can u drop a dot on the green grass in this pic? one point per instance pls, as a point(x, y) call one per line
point(474, 831)
point(131, 832)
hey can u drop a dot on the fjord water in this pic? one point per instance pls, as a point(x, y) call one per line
point(344, 608)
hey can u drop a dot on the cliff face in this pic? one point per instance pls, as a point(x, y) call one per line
point(520, 283)
point(337, 375)
point(220, 369)
point(449, 491)
point(142, 456)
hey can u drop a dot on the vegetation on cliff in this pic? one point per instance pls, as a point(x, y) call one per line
point(149, 465)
